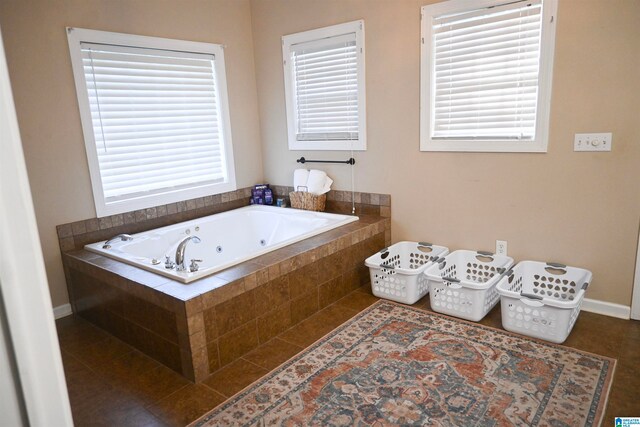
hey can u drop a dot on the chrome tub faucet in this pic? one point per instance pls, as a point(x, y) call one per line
point(182, 246)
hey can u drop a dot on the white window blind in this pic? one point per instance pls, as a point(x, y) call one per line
point(326, 89)
point(324, 83)
point(485, 72)
point(156, 119)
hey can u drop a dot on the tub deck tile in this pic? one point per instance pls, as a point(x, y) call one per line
point(187, 291)
point(143, 277)
point(274, 257)
point(239, 271)
point(222, 293)
point(262, 276)
point(81, 255)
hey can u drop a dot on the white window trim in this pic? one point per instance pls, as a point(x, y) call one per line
point(356, 27)
point(547, 45)
point(78, 35)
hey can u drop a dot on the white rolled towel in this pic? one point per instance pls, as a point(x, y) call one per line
point(316, 181)
point(300, 178)
point(327, 185)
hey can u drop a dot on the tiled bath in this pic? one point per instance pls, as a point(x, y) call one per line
point(198, 328)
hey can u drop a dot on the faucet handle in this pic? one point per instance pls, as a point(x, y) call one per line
point(193, 267)
point(168, 263)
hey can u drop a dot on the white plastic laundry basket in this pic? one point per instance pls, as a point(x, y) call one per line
point(542, 300)
point(396, 271)
point(463, 284)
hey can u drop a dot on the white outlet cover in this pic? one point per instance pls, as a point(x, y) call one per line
point(592, 142)
point(501, 247)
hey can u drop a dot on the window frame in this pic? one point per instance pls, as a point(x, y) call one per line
point(76, 36)
point(288, 41)
point(543, 108)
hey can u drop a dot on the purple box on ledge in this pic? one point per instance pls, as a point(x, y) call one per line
point(261, 195)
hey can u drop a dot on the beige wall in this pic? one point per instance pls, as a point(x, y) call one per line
point(46, 103)
point(578, 208)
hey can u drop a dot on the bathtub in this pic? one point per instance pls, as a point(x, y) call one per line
point(227, 239)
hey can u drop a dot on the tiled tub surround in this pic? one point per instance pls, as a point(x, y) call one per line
point(77, 234)
point(340, 201)
point(198, 328)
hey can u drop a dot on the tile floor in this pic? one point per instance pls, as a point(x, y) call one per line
point(112, 384)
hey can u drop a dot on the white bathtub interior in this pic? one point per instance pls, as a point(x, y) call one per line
point(227, 239)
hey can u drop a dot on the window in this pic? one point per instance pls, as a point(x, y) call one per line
point(486, 72)
point(155, 118)
point(324, 88)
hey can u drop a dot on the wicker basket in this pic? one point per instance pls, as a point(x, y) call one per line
point(307, 201)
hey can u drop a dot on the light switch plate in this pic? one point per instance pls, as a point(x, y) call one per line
point(592, 142)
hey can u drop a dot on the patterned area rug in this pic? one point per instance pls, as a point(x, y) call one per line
point(395, 365)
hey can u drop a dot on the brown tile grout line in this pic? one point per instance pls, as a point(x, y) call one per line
point(277, 337)
point(226, 397)
point(70, 353)
point(269, 371)
point(104, 379)
point(150, 405)
point(157, 335)
point(77, 359)
point(281, 339)
point(99, 374)
point(302, 348)
point(89, 368)
point(155, 403)
point(335, 303)
point(217, 391)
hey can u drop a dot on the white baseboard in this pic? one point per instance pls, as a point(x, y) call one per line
point(61, 311)
point(607, 308)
